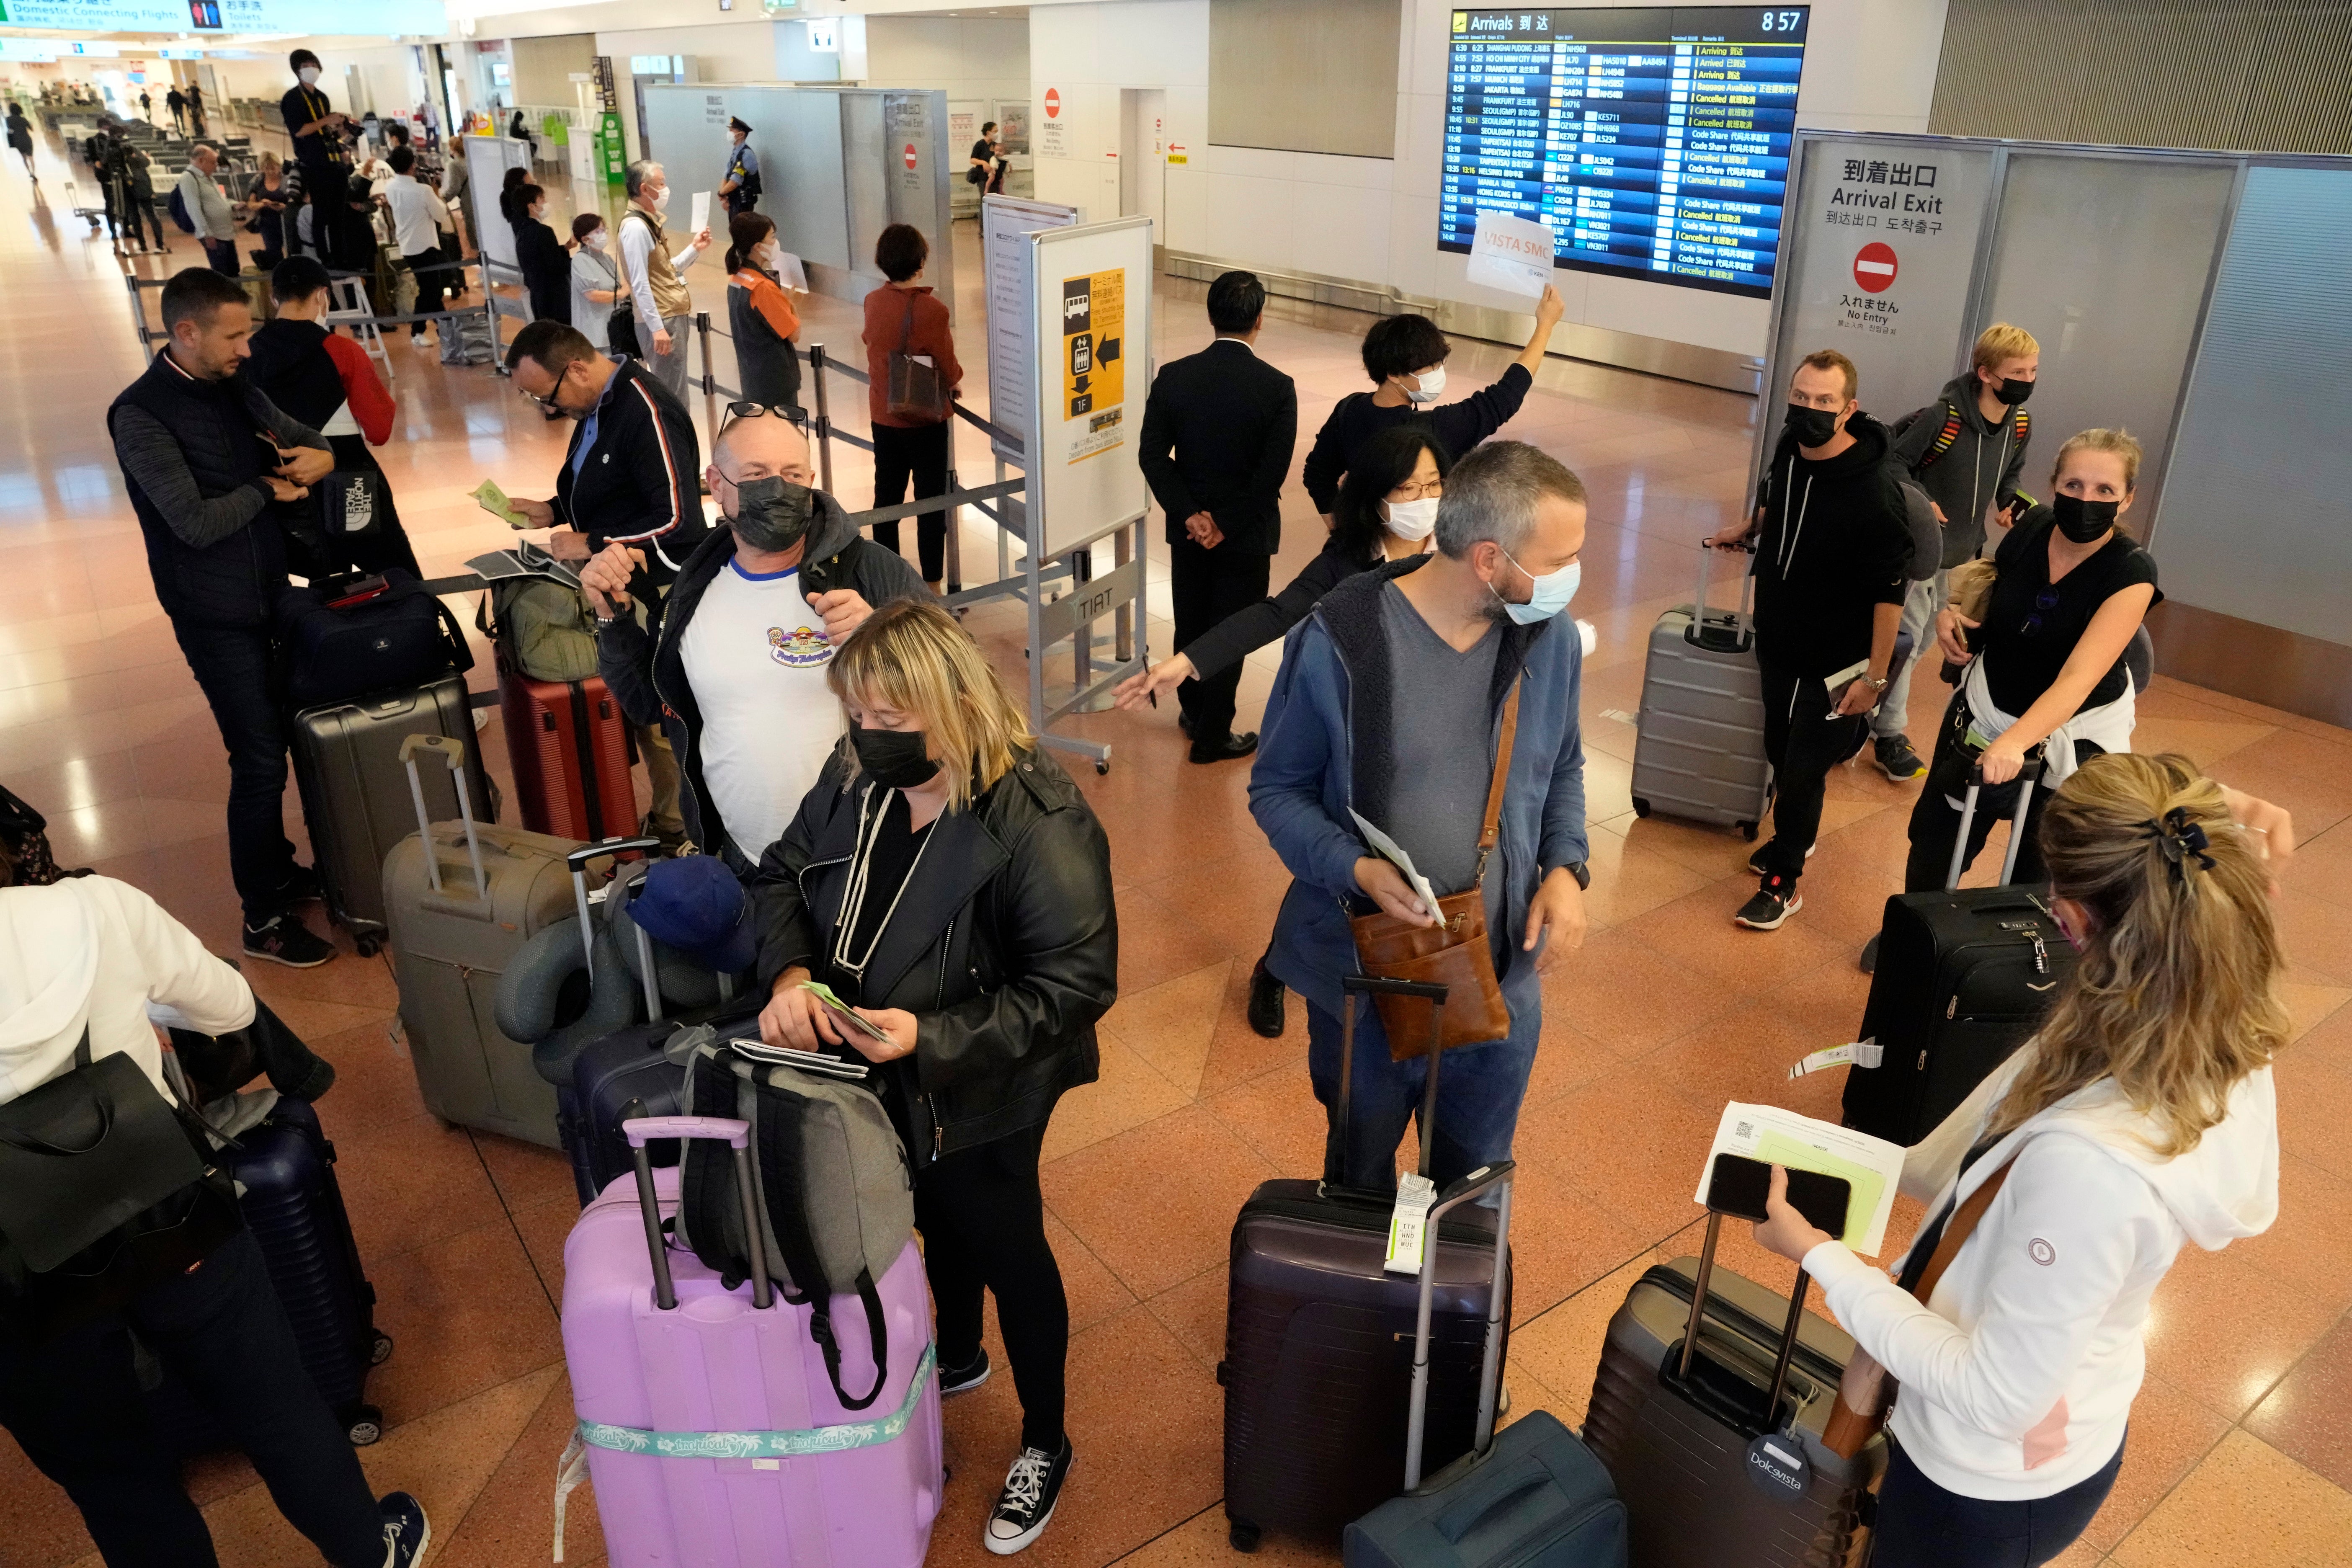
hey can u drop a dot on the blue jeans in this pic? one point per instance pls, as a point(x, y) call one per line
point(1921, 1525)
point(1478, 1092)
point(232, 664)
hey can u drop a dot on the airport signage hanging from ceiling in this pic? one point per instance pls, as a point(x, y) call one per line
point(200, 16)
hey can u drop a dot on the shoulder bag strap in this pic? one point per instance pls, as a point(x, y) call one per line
point(1490, 828)
point(906, 332)
point(1957, 1229)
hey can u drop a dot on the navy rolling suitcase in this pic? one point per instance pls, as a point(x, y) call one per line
point(286, 1167)
point(1318, 1342)
point(609, 1073)
point(1963, 978)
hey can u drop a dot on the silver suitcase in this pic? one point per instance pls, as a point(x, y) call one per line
point(1699, 753)
point(462, 899)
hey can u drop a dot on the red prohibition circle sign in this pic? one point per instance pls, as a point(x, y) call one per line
point(909, 154)
point(1873, 268)
point(1052, 103)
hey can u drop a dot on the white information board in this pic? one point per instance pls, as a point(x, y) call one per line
point(1006, 225)
point(1091, 295)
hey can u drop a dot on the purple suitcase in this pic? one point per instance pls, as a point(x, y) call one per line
point(707, 1419)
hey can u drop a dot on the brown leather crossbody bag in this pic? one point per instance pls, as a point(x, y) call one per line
point(1454, 953)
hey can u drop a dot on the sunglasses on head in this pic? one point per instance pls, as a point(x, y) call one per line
point(759, 410)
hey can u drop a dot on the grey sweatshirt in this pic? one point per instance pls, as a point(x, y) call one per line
point(1976, 474)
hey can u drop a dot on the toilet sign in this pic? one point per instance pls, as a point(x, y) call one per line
point(910, 155)
point(1873, 268)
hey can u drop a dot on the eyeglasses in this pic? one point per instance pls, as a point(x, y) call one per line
point(552, 393)
point(1411, 491)
point(2044, 602)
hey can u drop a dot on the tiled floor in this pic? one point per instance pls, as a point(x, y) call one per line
point(2241, 1450)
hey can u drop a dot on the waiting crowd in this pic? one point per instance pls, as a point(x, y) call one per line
point(812, 720)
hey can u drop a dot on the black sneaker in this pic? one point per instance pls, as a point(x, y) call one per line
point(1774, 903)
point(1895, 758)
point(1868, 962)
point(406, 1533)
point(287, 940)
point(965, 1379)
point(1266, 1002)
point(1755, 861)
point(1025, 1506)
point(301, 886)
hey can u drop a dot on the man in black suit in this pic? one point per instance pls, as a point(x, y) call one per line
point(1217, 436)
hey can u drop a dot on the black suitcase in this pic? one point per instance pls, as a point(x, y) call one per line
point(1531, 1496)
point(1318, 1341)
point(294, 1207)
point(1711, 1422)
point(1963, 979)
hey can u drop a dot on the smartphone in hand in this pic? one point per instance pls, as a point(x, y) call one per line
point(1740, 1186)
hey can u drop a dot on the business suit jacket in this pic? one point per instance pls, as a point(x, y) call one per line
point(1218, 431)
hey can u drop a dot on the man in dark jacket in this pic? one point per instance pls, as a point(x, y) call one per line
point(315, 127)
point(1217, 436)
point(1965, 449)
point(627, 478)
point(1829, 577)
point(732, 663)
point(205, 456)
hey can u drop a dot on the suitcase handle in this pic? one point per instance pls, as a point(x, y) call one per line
point(1698, 1310)
point(1495, 1177)
point(578, 859)
point(1697, 633)
point(638, 1128)
point(2027, 776)
point(452, 753)
point(1334, 1142)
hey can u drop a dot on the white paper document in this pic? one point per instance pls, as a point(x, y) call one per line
point(1778, 1137)
point(790, 273)
point(1512, 254)
point(1388, 850)
point(701, 211)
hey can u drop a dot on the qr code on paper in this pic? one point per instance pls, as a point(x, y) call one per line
point(1744, 1129)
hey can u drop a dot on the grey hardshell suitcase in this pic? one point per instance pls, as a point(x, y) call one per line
point(462, 898)
point(1711, 1424)
point(356, 798)
point(1699, 750)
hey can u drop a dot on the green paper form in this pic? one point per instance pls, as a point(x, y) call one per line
point(1779, 1149)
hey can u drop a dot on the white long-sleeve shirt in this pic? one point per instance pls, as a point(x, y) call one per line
point(637, 250)
point(90, 951)
point(417, 215)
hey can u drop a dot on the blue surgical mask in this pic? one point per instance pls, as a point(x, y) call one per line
point(1553, 590)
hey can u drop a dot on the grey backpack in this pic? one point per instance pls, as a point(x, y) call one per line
point(835, 1202)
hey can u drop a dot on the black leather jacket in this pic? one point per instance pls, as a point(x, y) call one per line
point(1004, 946)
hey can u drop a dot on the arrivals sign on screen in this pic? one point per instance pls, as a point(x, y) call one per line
point(1653, 140)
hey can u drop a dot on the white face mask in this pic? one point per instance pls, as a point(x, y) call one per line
point(596, 240)
point(661, 200)
point(309, 74)
point(1432, 387)
point(1412, 520)
point(1553, 590)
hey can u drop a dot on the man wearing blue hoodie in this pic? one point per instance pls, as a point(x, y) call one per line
point(1391, 708)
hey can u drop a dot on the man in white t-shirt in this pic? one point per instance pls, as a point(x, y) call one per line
point(735, 669)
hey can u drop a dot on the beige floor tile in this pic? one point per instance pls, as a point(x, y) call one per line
point(2245, 1503)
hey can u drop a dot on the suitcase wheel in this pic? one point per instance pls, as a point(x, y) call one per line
point(367, 946)
point(1748, 831)
point(1244, 1537)
point(380, 1348)
point(363, 1424)
point(1642, 808)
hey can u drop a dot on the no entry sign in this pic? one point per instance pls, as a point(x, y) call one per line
point(909, 154)
point(1873, 268)
point(1052, 103)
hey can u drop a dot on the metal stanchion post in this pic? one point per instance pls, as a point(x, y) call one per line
point(955, 517)
point(1123, 549)
point(824, 419)
point(1004, 534)
point(1082, 642)
point(709, 385)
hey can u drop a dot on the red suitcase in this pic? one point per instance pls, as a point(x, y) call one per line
point(569, 744)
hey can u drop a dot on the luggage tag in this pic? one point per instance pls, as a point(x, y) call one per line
point(1861, 1054)
point(1409, 1224)
point(1776, 1467)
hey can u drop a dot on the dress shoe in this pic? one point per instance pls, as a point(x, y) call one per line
point(1225, 748)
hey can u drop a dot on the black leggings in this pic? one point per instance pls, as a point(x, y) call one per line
point(983, 1224)
point(1921, 1525)
point(919, 452)
point(1936, 821)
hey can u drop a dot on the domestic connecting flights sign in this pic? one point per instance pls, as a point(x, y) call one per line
point(1654, 140)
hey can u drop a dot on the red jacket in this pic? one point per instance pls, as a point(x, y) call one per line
point(887, 331)
point(372, 405)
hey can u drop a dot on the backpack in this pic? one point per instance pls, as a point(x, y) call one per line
point(179, 206)
point(542, 628)
point(1949, 435)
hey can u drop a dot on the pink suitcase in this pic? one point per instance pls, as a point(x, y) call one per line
point(706, 1420)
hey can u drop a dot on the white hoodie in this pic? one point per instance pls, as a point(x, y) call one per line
point(2019, 1373)
point(91, 950)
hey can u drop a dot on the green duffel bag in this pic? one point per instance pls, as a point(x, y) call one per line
point(544, 628)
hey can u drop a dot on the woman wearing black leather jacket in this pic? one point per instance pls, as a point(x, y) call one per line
point(948, 882)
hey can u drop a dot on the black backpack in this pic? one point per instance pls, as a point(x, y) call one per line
point(1949, 435)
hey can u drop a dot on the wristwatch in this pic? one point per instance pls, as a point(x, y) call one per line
point(1582, 872)
point(1875, 684)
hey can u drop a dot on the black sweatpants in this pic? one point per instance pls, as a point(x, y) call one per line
point(234, 667)
point(1207, 585)
point(983, 1224)
point(432, 283)
point(1803, 740)
point(919, 452)
point(1936, 819)
point(74, 1408)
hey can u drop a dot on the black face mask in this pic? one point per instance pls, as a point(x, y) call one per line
point(894, 759)
point(2012, 391)
point(772, 514)
point(2083, 520)
point(1811, 426)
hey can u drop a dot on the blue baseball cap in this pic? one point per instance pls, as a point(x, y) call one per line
point(694, 903)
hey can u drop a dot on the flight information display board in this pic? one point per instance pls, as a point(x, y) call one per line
point(1654, 140)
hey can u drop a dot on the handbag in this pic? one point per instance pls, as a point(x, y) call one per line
point(1969, 588)
point(351, 503)
point(102, 1194)
point(621, 330)
point(918, 391)
point(398, 640)
point(1866, 1393)
point(1454, 953)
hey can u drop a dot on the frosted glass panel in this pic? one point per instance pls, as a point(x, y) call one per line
point(2106, 261)
point(2257, 524)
